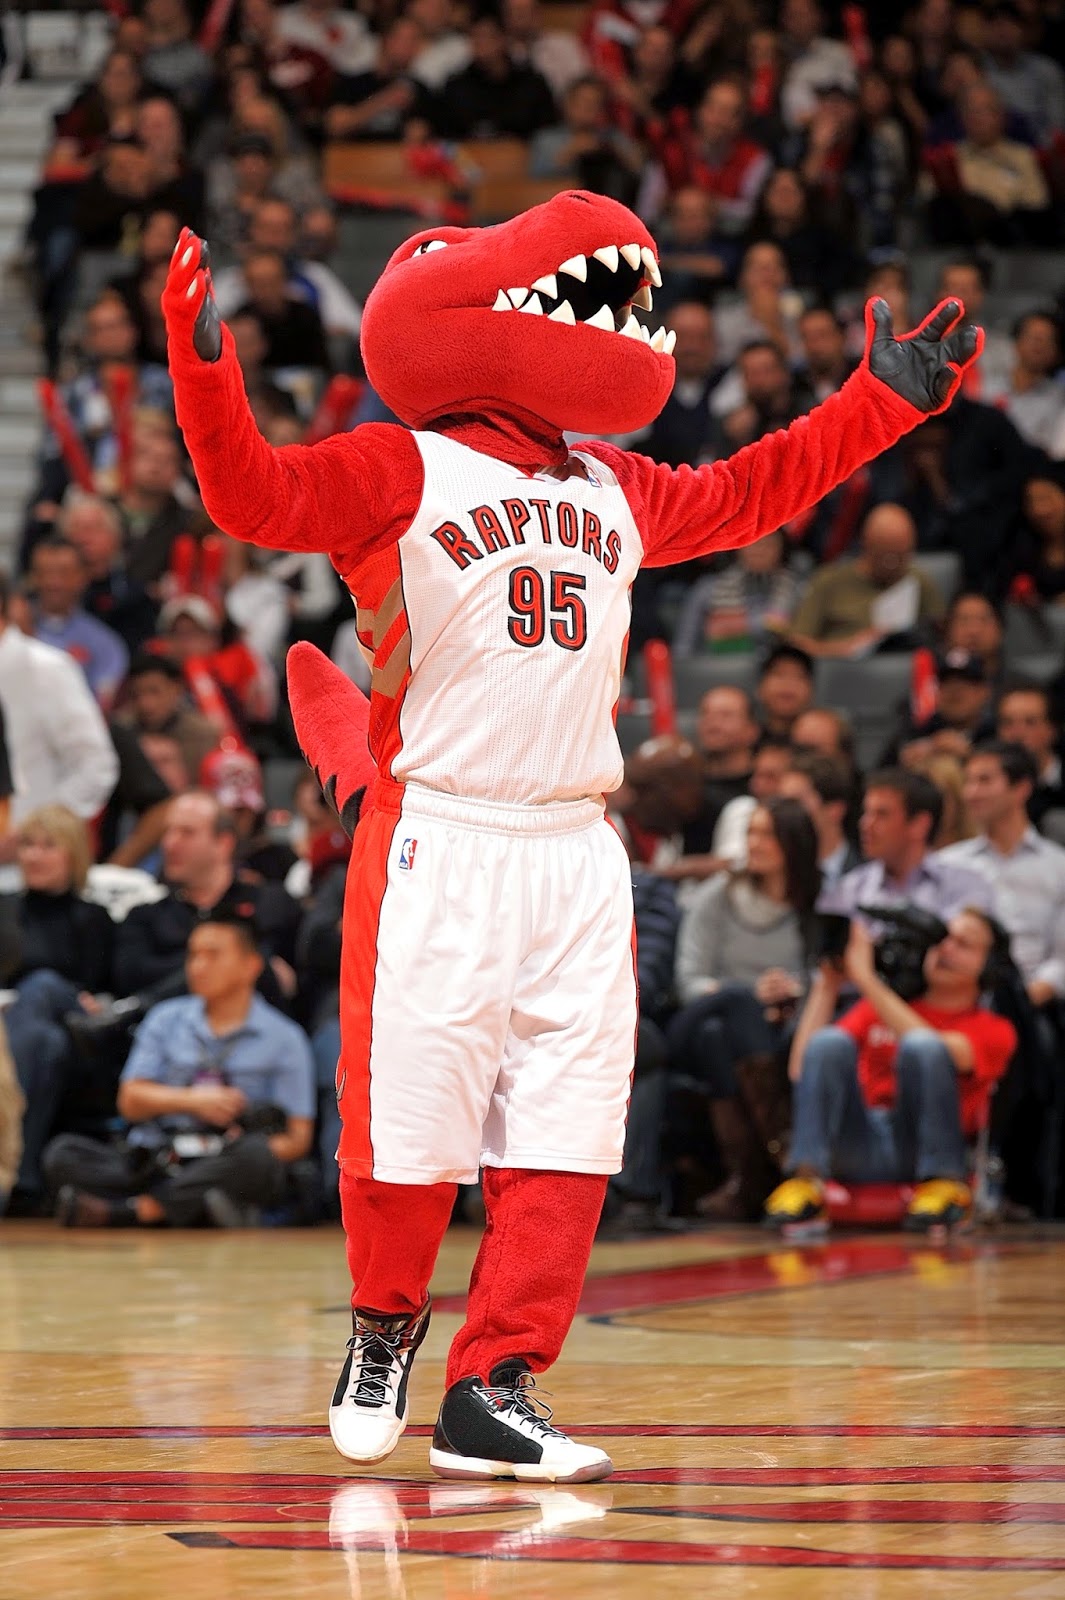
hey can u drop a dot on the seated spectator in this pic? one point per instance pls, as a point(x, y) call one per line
point(219, 1088)
point(11, 1108)
point(555, 53)
point(382, 100)
point(152, 512)
point(959, 477)
point(94, 527)
point(343, 37)
point(695, 255)
point(993, 190)
point(823, 788)
point(785, 688)
point(142, 291)
point(769, 309)
point(114, 199)
point(901, 812)
point(294, 333)
point(1026, 716)
point(840, 615)
point(726, 733)
point(199, 868)
point(973, 624)
point(742, 958)
point(1033, 397)
point(738, 607)
point(172, 59)
point(651, 86)
point(157, 704)
point(817, 258)
point(728, 847)
point(891, 1092)
point(173, 184)
point(1025, 871)
point(585, 148)
point(65, 955)
point(1041, 559)
point(57, 740)
point(109, 342)
point(826, 366)
point(963, 716)
point(300, 74)
point(1030, 84)
point(255, 601)
point(100, 110)
point(826, 733)
point(888, 280)
point(235, 778)
point(58, 580)
point(446, 48)
point(962, 68)
point(968, 280)
point(682, 428)
point(661, 810)
point(493, 97)
point(194, 634)
point(262, 159)
point(759, 396)
point(853, 156)
point(815, 60)
point(946, 770)
point(709, 150)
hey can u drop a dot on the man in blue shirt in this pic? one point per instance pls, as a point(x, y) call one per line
point(219, 1089)
point(59, 578)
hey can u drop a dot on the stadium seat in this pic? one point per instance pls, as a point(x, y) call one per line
point(499, 198)
point(501, 160)
point(870, 694)
point(1040, 667)
point(633, 727)
point(694, 675)
point(944, 569)
point(362, 171)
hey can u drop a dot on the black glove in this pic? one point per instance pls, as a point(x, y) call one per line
point(924, 367)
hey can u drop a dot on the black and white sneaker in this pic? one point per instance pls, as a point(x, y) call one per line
point(369, 1406)
point(502, 1429)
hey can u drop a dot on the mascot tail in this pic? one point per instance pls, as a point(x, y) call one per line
point(332, 720)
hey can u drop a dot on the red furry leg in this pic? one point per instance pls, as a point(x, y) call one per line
point(393, 1235)
point(529, 1270)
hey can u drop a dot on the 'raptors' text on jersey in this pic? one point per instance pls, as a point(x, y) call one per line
point(498, 626)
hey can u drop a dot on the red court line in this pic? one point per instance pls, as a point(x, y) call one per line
point(838, 1261)
point(641, 1552)
point(600, 1430)
point(979, 1512)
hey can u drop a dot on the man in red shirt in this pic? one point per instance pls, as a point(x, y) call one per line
point(893, 1090)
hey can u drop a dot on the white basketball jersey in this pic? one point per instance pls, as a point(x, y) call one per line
point(514, 590)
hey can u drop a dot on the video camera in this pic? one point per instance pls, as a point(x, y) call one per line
point(900, 951)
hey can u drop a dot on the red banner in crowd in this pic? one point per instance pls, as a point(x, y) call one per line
point(341, 396)
point(73, 451)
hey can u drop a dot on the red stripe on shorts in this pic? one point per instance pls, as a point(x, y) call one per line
point(367, 881)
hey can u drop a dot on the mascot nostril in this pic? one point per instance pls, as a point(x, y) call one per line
point(488, 1000)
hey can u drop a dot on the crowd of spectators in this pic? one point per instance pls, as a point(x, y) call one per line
point(172, 935)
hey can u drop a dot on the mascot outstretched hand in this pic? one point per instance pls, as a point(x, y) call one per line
point(488, 994)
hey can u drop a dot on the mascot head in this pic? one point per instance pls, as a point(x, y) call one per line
point(532, 318)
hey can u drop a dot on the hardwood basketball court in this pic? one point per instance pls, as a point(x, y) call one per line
point(864, 1419)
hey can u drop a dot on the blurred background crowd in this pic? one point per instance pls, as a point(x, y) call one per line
point(791, 159)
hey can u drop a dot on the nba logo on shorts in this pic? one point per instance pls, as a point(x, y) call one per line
point(406, 854)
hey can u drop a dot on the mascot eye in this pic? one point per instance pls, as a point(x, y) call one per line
point(430, 244)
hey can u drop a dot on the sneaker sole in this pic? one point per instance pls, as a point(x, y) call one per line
point(445, 1465)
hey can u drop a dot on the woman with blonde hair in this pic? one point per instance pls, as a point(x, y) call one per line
point(64, 959)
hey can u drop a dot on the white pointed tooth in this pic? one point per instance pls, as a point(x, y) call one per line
point(644, 335)
point(577, 267)
point(502, 303)
point(518, 296)
point(671, 340)
point(631, 330)
point(651, 266)
point(608, 255)
point(548, 284)
point(631, 252)
point(563, 313)
point(643, 299)
point(604, 318)
point(658, 340)
point(532, 306)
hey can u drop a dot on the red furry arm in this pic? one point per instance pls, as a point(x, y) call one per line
point(691, 512)
point(354, 493)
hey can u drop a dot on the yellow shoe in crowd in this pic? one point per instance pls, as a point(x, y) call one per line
point(797, 1202)
point(939, 1203)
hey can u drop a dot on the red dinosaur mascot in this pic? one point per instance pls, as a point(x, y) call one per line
point(488, 998)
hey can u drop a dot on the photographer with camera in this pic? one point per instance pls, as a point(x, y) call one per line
point(220, 1090)
point(893, 1089)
